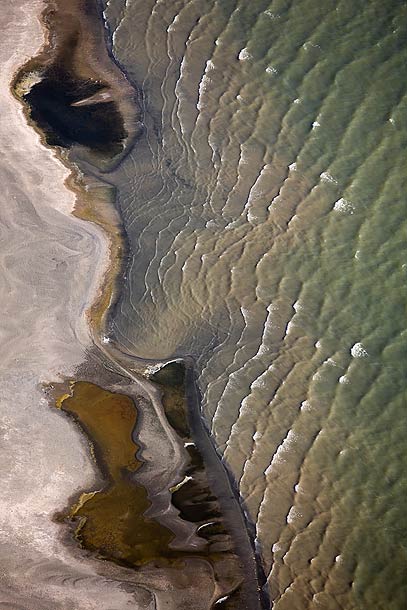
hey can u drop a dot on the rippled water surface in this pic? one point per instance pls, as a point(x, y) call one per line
point(265, 210)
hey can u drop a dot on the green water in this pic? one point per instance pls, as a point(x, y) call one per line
point(266, 211)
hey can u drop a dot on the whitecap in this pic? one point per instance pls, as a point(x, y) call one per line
point(271, 15)
point(326, 177)
point(310, 45)
point(343, 205)
point(244, 55)
point(293, 514)
point(358, 351)
point(259, 382)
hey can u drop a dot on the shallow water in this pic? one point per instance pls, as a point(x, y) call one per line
point(265, 211)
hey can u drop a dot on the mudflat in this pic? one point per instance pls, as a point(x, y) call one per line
point(54, 293)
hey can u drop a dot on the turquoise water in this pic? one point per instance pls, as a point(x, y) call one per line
point(265, 207)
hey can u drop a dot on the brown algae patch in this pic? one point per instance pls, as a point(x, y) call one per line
point(112, 521)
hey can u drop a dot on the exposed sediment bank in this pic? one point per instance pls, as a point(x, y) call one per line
point(52, 264)
point(72, 99)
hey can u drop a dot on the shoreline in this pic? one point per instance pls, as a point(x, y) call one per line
point(86, 208)
point(89, 205)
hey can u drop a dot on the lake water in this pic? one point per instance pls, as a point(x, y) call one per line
point(265, 208)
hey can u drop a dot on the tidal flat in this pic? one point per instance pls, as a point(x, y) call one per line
point(115, 504)
point(203, 251)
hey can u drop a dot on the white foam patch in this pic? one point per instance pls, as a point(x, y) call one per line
point(172, 25)
point(310, 45)
point(271, 15)
point(358, 351)
point(298, 306)
point(343, 205)
point(263, 349)
point(260, 382)
point(204, 86)
point(244, 55)
point(293, 515)
point(327, 177)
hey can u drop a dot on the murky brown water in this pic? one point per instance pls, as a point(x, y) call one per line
point(264, 207)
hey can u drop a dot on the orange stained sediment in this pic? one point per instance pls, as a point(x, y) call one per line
point(112, 520)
